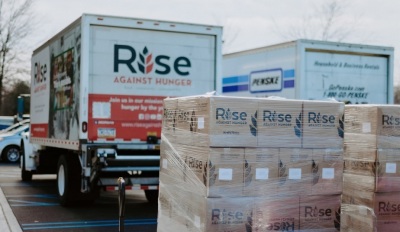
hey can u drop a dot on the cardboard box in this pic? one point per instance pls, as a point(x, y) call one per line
point(388, 170)
point(213, 172)
point(323, 124)
point(359, 182)
point(382, 174)
point(276, 214)
point(217, 121)
point(261, 171)
point(327, 171)
point(171, 165)
point(379, 124)
point(386, 207)
point(360, 167)
point(355, 218)
point(320, 213)
point(295, 171)
point(225, 172)
point(170, 107)
point(279, 123)
point(188, 211)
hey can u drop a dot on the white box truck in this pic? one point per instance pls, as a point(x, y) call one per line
point(311, 70)
point(97, 93)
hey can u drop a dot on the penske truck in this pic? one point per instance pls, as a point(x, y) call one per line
point(312, 70)
point(97, 91)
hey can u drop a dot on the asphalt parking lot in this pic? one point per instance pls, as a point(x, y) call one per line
point(35, 207)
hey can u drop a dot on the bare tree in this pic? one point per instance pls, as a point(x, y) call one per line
point(15, 25)
point(328, 21)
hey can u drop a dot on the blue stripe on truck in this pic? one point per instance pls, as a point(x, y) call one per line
point(288, 84)
point(235, 88)
point(288, 73)
point(235, 79)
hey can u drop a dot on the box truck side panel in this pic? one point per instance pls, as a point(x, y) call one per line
point(132, 70)
point(55, 88)
point(353, 78)
point(262, 73)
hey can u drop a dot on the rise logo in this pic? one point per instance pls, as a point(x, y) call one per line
point(280, 226)
point(318, 118)
point(273, 116)
point(310, 211)
point(388, 207)
point(227, 114)
point(390, 120)
point(162, 64)
point(227, 216)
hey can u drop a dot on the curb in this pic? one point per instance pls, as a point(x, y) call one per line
point(8, 221)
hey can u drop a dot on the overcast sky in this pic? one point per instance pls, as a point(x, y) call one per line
point(247, 23)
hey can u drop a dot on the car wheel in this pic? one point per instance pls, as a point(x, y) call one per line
point(11, 154)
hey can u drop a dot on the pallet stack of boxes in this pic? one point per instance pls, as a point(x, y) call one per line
point(250, 164)
point(371, 179)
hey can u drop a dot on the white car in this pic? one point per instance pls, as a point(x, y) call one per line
point(15, 126)
point(10, 144)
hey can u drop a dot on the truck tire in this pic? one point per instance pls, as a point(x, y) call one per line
point(68, 179)
point(151, 195)
point(25, 175)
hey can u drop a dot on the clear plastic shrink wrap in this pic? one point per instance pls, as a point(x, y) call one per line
point(371, 179)
point(250, 164)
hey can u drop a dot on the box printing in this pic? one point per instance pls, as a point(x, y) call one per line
point(170, 106)
point(327, 171)
point(323, 124)
point(320, 213)
point(280, 213)
point(261, 171)
point(279, 123)
point(295, 171)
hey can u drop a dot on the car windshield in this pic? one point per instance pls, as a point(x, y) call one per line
point(14, 126)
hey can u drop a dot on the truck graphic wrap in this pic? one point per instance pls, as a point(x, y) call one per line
point(55, 99)
point(130, 77)
point(312, 70)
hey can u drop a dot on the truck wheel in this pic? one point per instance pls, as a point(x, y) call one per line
point(68, 182)
point(25, 175)
point(151, 195)
point(11, 154)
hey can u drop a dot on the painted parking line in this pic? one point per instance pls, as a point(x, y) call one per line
point(48, 196)
point(86, 224)
point(18, 203)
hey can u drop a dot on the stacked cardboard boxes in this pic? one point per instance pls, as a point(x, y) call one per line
point(250, 164)
point(371, 177)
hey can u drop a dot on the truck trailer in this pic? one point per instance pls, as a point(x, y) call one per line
point(311, 70)
point(97, 91)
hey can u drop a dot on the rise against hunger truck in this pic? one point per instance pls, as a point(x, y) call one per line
point(97, 93)
point(312, 70)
